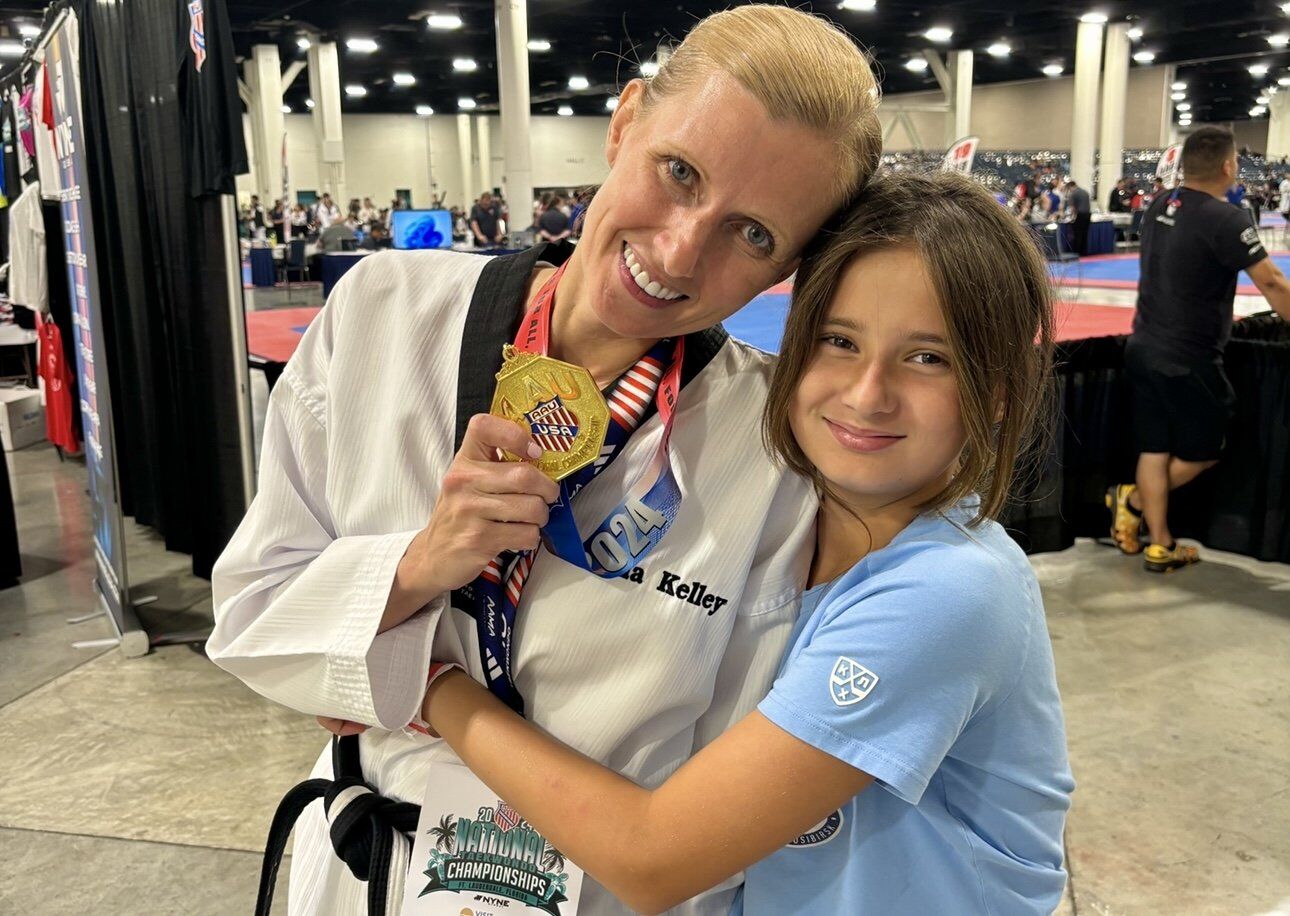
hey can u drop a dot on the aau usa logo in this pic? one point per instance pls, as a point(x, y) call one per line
point(822, 832)
point(850, 682)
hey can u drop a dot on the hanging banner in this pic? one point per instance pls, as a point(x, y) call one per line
point(1168, 169)
point(960, 156)
point(286, 195)
point(62, 57)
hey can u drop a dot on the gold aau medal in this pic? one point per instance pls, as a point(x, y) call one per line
point(558, 404)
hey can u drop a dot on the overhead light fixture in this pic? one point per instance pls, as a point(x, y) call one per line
point(1178, 96)
point(1186, 106)
point(1283, 80)
point(1255, 112)
point(466, 104)
point(1279, 40)
point(1285, 8)
point(27, 30)
point(1094, 17)
point(1261, 100)
point(564, 111)
point(404, 79)
point(443, 21)
point(355, 90)
point(286, 109)
point(1135, 33)
point(464, 65)
point(649, 68)
point(916, 64)
point(539, 44)
point(611, 103)
point(361, 45)
point(304, 44)
point(1052, 70)
point(309, 103)
point(1178, 86)
point(578, 83)
point(939, 33)
point(11, 49)
point(1145, 57)
point(859, 6)
point(999, 49)
point(1258, 69)
point(425, 111)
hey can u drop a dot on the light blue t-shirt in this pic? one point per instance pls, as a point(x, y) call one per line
point(928, 666)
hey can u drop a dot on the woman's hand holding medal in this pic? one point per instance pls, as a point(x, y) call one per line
point(486, 506)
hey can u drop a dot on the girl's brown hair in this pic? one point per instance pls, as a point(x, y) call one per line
point(993, 289)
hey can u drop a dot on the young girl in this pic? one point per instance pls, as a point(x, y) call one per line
point(911, 757)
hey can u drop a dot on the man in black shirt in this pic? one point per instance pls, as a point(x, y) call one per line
point(1080, 207)
point(1194, 243)
point(485, 220)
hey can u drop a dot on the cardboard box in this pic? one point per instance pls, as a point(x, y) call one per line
point(22, 419)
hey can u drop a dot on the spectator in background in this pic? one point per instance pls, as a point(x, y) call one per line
point(485, 221)
point(377, 237)
point(1080, 208)
point(278, 219)
point(367, 212)
point(1121, 198)
point(299, 219)
point(335, 236)
point(553, 225)
point(326, 213)
point(1284, 191)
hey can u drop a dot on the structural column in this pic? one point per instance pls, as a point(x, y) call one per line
point(1168, 132)
point(1088, 60)
point(960, 67)
point(483, 143)
point(324, 89)
point(468, 192)
point(1279, 126)
point(513, 86)
point(1115, 83)
point(264, 81)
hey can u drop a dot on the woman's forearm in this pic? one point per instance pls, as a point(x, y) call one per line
point(561, 792)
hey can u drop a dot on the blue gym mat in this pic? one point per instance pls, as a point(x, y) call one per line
point(761, 322)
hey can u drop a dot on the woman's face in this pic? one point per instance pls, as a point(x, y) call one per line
point(877, 408)
point(707, 198)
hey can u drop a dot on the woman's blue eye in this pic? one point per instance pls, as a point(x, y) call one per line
point(758, 237)
point(680, 170)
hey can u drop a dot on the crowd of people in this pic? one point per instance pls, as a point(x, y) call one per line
point(362, 226)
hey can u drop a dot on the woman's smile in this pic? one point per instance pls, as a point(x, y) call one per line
point(642, 283)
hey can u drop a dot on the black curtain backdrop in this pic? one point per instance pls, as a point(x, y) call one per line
point(163, 283)
point(1242, 505)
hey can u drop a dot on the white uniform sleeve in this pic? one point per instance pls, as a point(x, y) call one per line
point(297, 606)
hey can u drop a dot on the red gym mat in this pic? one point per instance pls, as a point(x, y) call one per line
point(272, 335)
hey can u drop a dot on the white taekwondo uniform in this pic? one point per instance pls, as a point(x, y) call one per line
point(361, 428)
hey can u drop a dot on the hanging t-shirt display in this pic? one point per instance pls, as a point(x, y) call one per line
point(62, 425)
point(42, 128)
point(210, 106)
point(26, 144)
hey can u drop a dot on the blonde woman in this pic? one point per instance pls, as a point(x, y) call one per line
point(385, 531)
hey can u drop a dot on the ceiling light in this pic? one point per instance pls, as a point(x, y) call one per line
point(1186, 106)
point(11, 49)
point(649, 68)
point(1261, 100)
point(303, 44)
point(1145, 57)
point(464, 65)
point(355, 90)
point(1255, 112)
point(859, 6)
point(309, 103)
point(539, 44)
point(1094, 17)
point(1135, 34)
point(1258, 69)
point(939, 33)
point(361, 45)
point(578, 83)
point(286, 109)
point(1279, 40)
point(443, 21)
point(1283, 81)
point(404, 79)
point(999, 49)
point(466, 104)
point(1178, 96)
point(1178, 87)
point(916, 64)
point(611, 103)
point(27, 30)
point(425, 111)
point(1285, 8)
point(564, 111)
point(1052, 70)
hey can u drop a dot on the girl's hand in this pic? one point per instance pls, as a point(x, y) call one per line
point(341, 727)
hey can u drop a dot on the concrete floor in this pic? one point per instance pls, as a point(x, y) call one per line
point(147, 786)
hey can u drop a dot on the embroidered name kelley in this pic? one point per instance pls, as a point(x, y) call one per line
point(693, 592)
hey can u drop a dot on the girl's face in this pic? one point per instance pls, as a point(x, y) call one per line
point(709, 198)
point(877, 407)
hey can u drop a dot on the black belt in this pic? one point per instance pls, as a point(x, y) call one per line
point(371, 833)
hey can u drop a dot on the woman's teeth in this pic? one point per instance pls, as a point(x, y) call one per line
point(651, 287)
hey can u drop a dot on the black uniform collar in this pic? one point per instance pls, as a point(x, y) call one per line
point(494, 317)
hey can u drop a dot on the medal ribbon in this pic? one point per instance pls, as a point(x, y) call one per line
point(628, 533)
